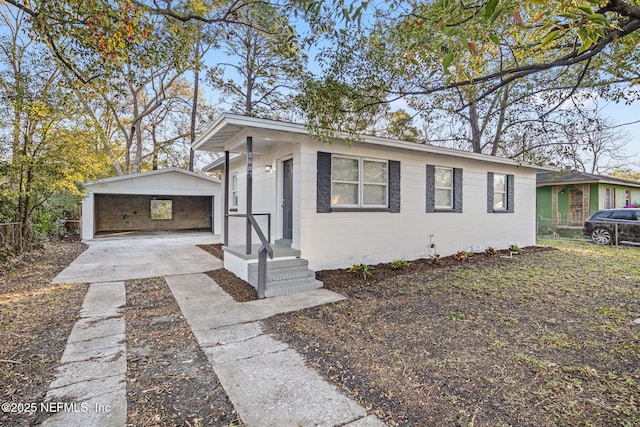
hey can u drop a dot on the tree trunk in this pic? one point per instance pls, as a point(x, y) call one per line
point(476, 135)
point(156, 148)
point(501, 119)
point(194, 107)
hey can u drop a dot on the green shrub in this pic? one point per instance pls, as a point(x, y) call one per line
point(365, 270)
point(399, 263)
point(515, 248)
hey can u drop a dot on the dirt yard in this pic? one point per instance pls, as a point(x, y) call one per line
point(546, 338)
point(35, 321)
point(169, 379)
point(550, 337)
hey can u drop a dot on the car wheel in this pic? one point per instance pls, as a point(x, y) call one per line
point(601, 236)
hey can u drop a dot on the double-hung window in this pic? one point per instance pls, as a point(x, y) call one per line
point(444, 188)
point(500, 192)
point(609, 198)
point(234, 191)
point(359, 182)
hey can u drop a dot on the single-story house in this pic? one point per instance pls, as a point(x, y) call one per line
point(374, 200)
point(165, 199)
point(568, 197)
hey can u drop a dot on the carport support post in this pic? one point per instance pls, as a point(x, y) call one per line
point(249, 191)
point(225, 209)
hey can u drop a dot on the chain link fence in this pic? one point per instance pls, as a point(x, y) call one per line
point(559, 229)
point(607, 232)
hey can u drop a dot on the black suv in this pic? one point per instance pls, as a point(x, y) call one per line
point(603, 225)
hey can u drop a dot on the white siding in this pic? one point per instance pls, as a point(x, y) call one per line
point(340, 239)
point(162, 182)
point(267, 192)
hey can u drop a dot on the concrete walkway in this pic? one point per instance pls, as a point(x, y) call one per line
point(91, 379)
point(267, 382)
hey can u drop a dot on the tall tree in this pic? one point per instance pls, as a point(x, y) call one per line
point(494, 53)
point(48, 147)
point(264, 64)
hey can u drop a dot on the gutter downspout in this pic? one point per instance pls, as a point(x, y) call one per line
point(225, 208)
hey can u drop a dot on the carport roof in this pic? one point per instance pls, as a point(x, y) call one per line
point(150, 173)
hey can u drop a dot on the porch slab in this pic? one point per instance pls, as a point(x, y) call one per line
point(279, 251)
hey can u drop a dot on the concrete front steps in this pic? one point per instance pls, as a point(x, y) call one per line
point(285, 276)
point(287, 273)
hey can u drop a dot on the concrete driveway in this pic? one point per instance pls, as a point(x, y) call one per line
point(111, 259)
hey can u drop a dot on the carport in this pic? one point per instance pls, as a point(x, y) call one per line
point(162, 200)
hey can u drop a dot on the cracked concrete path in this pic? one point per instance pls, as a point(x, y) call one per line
point(92, 374)
point(268, 382)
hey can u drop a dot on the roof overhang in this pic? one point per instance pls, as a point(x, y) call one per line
point(150, 173)
point(230, 131)
point(591, 181)
point(218, 163)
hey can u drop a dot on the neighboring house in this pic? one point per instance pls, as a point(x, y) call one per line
point(165, 199)
point(376, 200)
point(569, 197)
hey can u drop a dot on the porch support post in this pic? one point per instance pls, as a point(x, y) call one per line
point(249, 191)
point(225, 208)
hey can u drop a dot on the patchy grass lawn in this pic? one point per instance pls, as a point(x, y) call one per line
point(545, 338)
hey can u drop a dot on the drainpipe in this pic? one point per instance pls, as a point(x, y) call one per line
point(249, 191)
point(225, 208)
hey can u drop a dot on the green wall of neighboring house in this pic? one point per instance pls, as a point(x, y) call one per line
point(594, 201)
point(543, 202)
point(619, 198)
point(544, 199)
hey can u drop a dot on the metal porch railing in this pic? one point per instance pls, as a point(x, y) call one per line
point(264, 250)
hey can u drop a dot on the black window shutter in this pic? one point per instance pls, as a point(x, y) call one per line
point(323, 183)
point(457, 190)
point(490, 192)
point(431, 188)
point(510, 193)
point(394, 186)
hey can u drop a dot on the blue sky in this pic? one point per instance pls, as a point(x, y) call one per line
point(621, 114)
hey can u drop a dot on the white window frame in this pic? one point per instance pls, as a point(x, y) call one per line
point(450, 188)
point(627, 197)
point(505, 198)
point(361, 183)
point(234, 184)
point(609, 198)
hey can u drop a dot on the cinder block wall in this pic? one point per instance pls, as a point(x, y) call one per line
point(115, 212)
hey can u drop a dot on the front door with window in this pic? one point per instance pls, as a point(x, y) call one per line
point(287, 199)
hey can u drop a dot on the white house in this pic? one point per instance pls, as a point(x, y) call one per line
point(165, 199)
point(376, 200)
